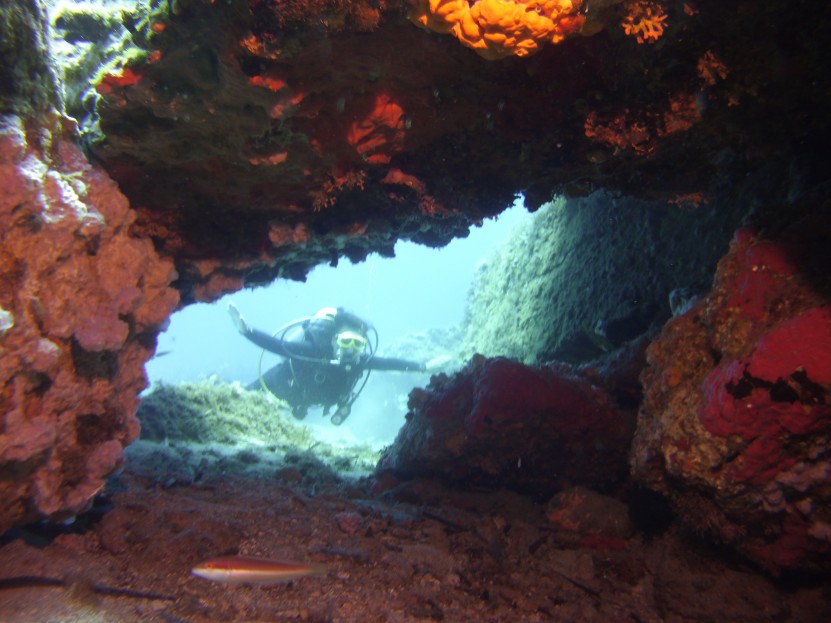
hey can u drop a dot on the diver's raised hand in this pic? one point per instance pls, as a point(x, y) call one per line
point(237, 319)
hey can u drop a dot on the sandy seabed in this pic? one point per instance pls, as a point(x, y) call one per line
point(417, 552)
point(394, 551)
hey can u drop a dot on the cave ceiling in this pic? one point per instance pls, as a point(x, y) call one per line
point(257, 139)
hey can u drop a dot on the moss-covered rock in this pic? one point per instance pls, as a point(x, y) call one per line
point(90, 40)
point(217, 412)
point(588, 275)
point(27, 83)
point(212, 429)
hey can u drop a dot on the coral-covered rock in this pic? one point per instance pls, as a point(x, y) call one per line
point(737, 411)
point(256, 140)
point(497, 28)
point(501, 423)
point(81, 303)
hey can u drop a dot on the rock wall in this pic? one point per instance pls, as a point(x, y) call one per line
point(28, 81)
point(735, 422)
point(81, 301)
point(256, 140)
point(591, 274)
point(499, 423)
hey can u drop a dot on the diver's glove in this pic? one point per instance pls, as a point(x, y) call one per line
point(437, 363)
point(236, 318)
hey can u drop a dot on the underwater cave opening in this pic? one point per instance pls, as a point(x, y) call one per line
point(416, 301)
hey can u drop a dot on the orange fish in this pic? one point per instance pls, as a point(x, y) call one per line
point(248, 570)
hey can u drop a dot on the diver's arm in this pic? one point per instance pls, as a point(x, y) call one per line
point(278, 346)
point(273, 344)
point(390, 363)
point(264, 340)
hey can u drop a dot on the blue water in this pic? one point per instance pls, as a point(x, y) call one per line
point(419, 289)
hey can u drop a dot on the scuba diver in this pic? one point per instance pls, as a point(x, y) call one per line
point(326, 356)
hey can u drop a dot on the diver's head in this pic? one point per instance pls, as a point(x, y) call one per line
point(349, 346)
point(326, 313)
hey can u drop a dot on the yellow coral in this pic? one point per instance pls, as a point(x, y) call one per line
point(645, 20)
point(499, 28)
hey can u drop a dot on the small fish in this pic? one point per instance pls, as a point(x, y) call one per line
point(248, 570)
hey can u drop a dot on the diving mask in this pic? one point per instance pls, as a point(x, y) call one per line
point(349, 346)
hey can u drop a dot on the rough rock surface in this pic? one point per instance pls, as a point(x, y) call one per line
point(736, 419)
point(28, 81)
point(591, 274)
point(591, 518)
point(81, 301)
point(498, 422)
point(258, 139)
point(423, 553)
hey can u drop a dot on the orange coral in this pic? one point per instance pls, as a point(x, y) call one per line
point(398, 177)
point(288, 98)
point(640, 131)
point(272, 83)
point(430, 207)
point(711, 69)
point(688, 200)
point(683, 114)
point(644, 20)
point(380, 132)
point(326, 196)
point(273, 159)
point(500, 28)
point(121, 78)
point(621, 133)
point(365, 18)
point(264, 47)
point(281, 234)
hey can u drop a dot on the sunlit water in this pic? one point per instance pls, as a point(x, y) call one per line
point(419, 289)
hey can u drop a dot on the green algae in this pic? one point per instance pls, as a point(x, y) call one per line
point(588, 275)
point(28, 84)
point(217, 412)
point(91, 40)
point(213, 429)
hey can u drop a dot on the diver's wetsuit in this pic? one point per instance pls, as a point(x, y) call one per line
point(310, 375)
